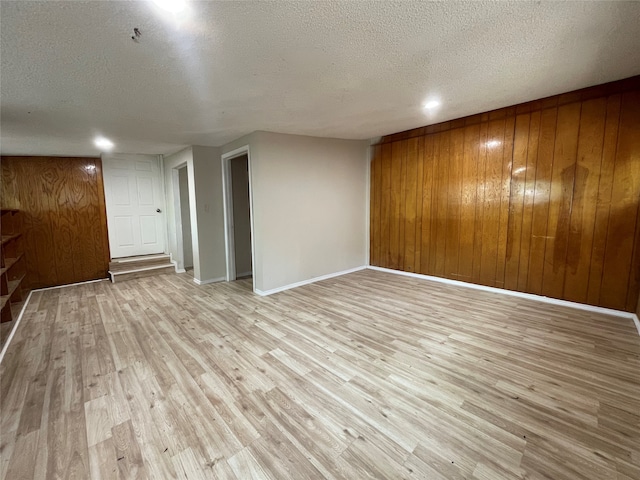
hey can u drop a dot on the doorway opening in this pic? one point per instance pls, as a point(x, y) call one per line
point(185, 219)
point(236, 176)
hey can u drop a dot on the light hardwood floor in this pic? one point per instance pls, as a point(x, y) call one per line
point(369, 375)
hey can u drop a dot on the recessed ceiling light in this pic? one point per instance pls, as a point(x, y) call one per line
point(103, 143)
point(431, 104)
point(172, 6)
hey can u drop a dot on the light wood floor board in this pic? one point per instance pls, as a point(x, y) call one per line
point(368, 375)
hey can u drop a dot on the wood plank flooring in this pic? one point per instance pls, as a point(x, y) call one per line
point(368, 375)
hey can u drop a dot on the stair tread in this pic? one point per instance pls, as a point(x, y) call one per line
point(138, 258)
point(139, 262)
point(142, 269)
point(120, 276)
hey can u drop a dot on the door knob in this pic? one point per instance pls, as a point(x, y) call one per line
point(158, 210)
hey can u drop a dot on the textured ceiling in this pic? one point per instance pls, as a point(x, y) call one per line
point(70, 70)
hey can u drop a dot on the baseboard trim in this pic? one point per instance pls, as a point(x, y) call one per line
point(14, 329)
point(636, 320)
point(178, 270)
point(307, 282)
point(211, 280)
point(529, 296)
point(70, 285)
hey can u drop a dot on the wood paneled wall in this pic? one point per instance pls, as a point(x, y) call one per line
point(540, 198)
point(65, 225)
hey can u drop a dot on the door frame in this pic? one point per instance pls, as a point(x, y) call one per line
point(104, 159)
point(227, 200)
point(177, 211)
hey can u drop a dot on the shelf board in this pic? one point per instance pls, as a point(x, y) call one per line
point(10, 262)
point(13, 286)
point(8, 238)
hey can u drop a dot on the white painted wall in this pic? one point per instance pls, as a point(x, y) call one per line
point(309, 206)
point(205, 199)
point(171, 164)
point(185, 210)
point(207, 181)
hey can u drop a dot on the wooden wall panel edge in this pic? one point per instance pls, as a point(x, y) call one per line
point(103, 210)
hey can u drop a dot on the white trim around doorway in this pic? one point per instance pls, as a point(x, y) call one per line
point(227, 198)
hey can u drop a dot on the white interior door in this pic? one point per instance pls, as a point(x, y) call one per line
point(135, 204)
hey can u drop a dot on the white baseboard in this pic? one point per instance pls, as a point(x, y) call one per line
point(636, 320)
point(306, 282)
point(175, 265)
point(24, 307)
point(14, 328)
point(211, 280)
point(69, 285)
point(529, 296)
point(180, 270)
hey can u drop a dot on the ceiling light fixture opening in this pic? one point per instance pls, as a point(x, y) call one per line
point(171, 6)
point(103, 143)
point(432, 104)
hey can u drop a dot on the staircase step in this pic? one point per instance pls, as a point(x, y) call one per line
point(122, 275)
point(135, 263)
